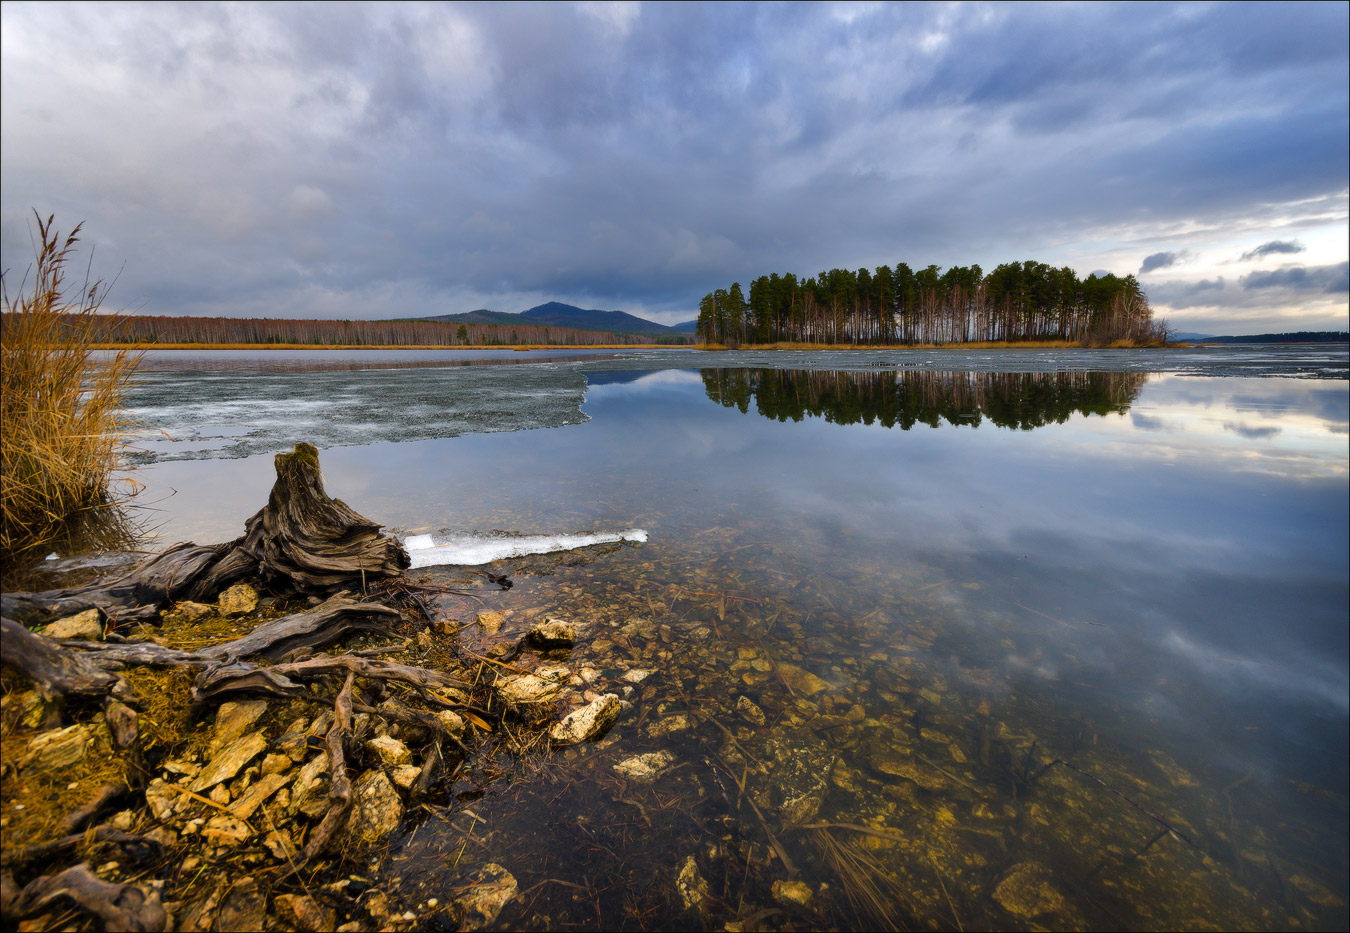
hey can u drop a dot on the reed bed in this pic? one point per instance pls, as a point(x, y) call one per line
point(61, 407)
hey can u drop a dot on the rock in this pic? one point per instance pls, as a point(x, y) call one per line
point(637, 675)
point(125, 820)
point(229, 762)
point(62, 748)
point(187, 612)
point(690, 885)
point(309, 782)
point(792, 893)
point(279, 843)
point(302, 913)
point(390, 750)
point(491, 622)
point(233, 719)
point(1028, 891)
point(800, 774)
point(226, 831)
point(88, 625)
point(160, 799)
point(376, 809)
point(425, 641)
point(32, 707)
point(275, 764)
point(452, 721)
point(484, 901)
point(220, 794)
point(801, 681)
point(646, 767)
point(904, 766)
point(679, 722)
point(531, 694)
point(243, 908)
point(164, 837)
point(553, 633)
point(406, 776)
point(238, 600)
point(587, 724)
point(750, 710)
point(257, 794)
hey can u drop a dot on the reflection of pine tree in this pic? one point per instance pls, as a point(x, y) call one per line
point(1010, 400)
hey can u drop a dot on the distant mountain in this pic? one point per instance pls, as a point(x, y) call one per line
point(688, 327)
point(557, 314)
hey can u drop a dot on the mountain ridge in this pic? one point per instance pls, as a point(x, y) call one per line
point(559, 314)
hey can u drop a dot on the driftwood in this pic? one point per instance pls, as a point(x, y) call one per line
point(301, 541)
point(122, 906)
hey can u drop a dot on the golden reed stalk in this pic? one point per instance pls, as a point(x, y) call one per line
point(62, 424)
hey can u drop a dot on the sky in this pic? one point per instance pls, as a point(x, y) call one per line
point(397, 160)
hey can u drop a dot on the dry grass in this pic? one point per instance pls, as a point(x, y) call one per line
point(381, 346)
point(62, 411)
point(875, 898)
point(972, 345)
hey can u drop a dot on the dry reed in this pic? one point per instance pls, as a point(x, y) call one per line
point(61, 410)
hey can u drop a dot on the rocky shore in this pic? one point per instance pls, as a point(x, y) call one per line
point(223, 761)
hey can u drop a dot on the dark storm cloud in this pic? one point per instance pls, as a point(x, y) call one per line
point(390, 160)
point(1161, 261)
point(1330, 279)
point(1273, 247)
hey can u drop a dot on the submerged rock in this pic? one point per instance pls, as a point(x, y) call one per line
point(750, 710)
point(553, 633)
point(483, 902)
point(691, 885)
point(801, 680)
point(792, 893)
point(490, 622)
point(646, 767)
point(1028, 891)
point(800, 775)
point(301, 912)
point(588, 723)
point(87, 625)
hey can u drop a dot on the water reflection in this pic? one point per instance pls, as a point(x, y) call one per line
point(1087, 676)
point(903, 399)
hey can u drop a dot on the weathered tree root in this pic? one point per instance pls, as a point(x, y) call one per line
point(301, 541)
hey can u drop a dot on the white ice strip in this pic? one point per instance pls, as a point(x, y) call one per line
point(472, 550)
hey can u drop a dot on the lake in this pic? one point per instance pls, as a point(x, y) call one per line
point(978, 639)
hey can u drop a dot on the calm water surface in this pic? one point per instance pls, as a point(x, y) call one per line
point(971, 641)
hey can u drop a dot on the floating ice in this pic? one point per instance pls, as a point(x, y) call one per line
point(472, 550)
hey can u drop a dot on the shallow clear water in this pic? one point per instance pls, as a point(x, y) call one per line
point(1021, 647)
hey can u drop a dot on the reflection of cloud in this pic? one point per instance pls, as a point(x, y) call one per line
point(1146, 422)
point(1275, 246)
point(1309, 677)
point(1251, 431)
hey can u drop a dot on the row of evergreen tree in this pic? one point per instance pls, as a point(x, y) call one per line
point(1018, 301)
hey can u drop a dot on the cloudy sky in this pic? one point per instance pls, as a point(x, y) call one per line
point(341, 160)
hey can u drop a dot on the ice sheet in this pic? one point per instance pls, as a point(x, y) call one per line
point(472, 550)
